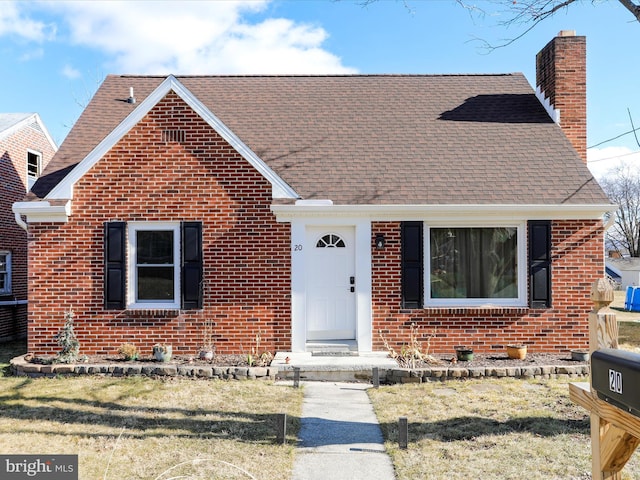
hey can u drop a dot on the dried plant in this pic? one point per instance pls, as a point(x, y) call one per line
point(129, 351)
point(413, 352)
point(207, 336)
point(259, 359)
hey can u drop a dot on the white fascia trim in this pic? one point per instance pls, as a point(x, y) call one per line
point(461, 213)
point(43, 211)
point(46, 132)
point(554, 113)
point(64, 189)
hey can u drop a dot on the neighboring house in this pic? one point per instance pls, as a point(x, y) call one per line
point(309, 209)
point(25, 149)
point(625, 271)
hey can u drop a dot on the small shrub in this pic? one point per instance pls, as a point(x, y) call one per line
point(68, 341)
point(129, 351)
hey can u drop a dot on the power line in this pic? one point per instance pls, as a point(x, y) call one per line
point(615, 156)
point(633, 130)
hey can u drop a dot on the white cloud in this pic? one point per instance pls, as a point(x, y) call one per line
point(32, 55)
point(14, 22)
point(602, 160)
point(69, 72)
point(196, 38)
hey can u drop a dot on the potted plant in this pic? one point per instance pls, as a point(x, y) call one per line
point(517, 351)
point(207, 351)
point(129, 351)
point(580, 355)
point(162, 352)
point(464, 353)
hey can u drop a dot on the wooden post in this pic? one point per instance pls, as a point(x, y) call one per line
point(615, 433)
point(603, 333)
point(281, 428)
point(403, 433)
point(296, 377)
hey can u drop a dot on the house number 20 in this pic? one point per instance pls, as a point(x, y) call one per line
point(297, 248)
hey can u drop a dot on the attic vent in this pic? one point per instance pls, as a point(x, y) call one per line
point(35, 126)
point(175, 136)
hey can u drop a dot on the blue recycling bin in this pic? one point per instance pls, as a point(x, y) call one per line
point(632, 299)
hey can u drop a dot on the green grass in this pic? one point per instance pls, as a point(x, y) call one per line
point(488, 428)
point(138, 428)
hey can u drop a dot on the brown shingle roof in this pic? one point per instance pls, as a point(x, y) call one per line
point(374, 139)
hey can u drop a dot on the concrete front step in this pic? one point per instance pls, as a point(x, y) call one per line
point(333, 348)
point(339, 368)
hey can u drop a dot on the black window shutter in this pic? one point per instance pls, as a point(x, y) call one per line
point(412, 264)
point(540, 263)
point(191, 265)
point(115, 265)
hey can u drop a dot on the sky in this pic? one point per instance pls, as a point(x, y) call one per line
point(55, 54)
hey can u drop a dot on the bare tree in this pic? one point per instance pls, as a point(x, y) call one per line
point(527, 13)
point(530, 13)
point(622, 186)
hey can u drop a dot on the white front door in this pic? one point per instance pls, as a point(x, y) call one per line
point(330, 283)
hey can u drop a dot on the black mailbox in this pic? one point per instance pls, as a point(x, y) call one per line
point(615, 376)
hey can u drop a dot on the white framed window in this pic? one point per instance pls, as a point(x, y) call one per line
point(34, 167)
point(475, 265)
point(5, 272)
point(154, 265)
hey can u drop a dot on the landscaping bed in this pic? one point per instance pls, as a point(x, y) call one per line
point(225, 367)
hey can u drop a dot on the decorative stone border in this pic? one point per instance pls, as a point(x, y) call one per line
point(405, 375)
point(21, 367)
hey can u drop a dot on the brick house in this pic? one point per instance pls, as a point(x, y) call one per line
point(25, 148)
point(309, 209)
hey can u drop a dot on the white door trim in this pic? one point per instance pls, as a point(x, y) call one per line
point(299, 247)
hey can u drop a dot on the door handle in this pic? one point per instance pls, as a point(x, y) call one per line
point(352, 280)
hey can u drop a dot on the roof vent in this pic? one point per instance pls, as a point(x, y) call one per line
point(131, 98)
point(173, 136)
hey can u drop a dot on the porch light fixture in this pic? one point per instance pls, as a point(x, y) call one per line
point(380, 241)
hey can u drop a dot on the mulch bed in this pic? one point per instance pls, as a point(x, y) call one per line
point(501, 360)
point(479, 360)
point(218, 360)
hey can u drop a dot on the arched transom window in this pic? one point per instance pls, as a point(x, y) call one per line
point(330, 240)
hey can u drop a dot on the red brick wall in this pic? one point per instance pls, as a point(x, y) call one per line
point(142, 178)
point(561, 73)
point(13, 181)
point(577, 262)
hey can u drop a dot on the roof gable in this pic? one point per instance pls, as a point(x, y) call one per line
point(64, 189)
point(13, 122)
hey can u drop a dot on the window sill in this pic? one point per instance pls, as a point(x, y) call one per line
point(477, 309)
point(152, 312)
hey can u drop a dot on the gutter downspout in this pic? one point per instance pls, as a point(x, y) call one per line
point(611, 221)
point(21, 222)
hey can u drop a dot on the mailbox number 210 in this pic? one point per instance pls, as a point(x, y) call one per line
point(615, 381)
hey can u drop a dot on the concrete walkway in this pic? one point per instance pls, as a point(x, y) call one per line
point(340, 437)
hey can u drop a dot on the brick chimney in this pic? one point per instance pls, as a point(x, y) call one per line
point(561, 78)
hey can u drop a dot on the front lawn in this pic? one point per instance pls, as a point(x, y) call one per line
point(143, 428)
point(488, 428)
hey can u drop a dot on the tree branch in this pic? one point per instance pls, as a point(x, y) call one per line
point(632, 7)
